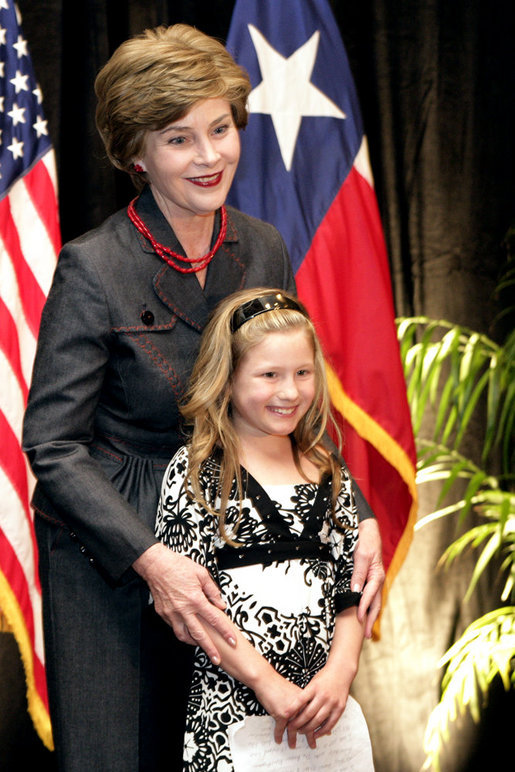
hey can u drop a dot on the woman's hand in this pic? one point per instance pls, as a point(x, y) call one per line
point(183, 592)
point(368, 574)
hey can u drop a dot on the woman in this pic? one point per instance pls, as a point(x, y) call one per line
point(118, 338)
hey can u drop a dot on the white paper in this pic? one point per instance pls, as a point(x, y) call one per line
point(346, 749)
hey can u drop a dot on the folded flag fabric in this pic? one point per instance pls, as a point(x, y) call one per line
point(29, 244)
point(305, 168)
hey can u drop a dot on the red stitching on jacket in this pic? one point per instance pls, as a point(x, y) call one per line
point(238, 262)
point(107, 452)
point(160, 361)
point(174, 307)
point(140, 328)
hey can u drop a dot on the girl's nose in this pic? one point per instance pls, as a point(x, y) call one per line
point(288, 389)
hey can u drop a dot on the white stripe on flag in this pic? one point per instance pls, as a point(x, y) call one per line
point(11, 298)
point(34, 241)
point(18, 533)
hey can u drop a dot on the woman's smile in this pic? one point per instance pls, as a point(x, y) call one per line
point(207, 181)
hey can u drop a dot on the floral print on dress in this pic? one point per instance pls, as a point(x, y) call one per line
point(286, 609)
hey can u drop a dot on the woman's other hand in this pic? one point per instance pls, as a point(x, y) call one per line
point(368, 575)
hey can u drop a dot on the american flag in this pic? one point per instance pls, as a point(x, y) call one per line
point(304, 167)
point(29, 244)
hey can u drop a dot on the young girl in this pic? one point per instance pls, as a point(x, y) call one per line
point(257, 498)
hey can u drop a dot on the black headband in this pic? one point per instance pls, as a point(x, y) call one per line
point(260, 305)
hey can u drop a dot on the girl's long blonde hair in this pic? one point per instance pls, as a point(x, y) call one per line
point(207, 404)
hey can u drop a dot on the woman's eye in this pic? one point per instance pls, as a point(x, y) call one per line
point(269, 375)
point(221, 129)
point(177, 140)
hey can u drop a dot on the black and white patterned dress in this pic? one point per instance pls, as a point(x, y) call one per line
point(282, 588)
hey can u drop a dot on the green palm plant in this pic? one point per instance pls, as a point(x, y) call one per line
point(458, 374)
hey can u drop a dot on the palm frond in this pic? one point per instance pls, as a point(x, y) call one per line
point(460, 374)
point(484, 651)
point(451, 368)
point(437, 462)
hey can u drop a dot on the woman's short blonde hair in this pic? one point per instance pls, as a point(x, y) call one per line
point(155, 78)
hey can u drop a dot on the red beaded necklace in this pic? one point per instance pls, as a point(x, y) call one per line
point(167, 254)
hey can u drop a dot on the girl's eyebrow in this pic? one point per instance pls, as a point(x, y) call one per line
point(174, 127)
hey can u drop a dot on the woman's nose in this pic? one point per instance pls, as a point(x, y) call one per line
point(207, 153)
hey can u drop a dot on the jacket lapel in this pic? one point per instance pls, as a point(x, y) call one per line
point(181, 292)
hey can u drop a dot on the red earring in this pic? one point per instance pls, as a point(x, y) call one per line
point(138, 168)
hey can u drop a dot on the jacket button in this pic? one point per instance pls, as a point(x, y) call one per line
point(147, 317)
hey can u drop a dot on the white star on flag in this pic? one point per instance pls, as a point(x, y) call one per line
point(17, 114)
point(40, 126)
point(16, 148)
point(21, 47)
point(285, 93)
point(20, 82)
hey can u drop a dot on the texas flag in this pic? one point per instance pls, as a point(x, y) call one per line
point(304, 167)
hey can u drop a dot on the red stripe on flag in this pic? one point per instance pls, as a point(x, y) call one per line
point(10, 345)
point(387, 493)
point(41, 189)
point(18, 582)
point(345, 283)
point(31, 294)
point(13, 463)
point(24, 630)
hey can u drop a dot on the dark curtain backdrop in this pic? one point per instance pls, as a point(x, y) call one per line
point(435, 80)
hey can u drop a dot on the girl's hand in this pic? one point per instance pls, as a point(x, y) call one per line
point(326, 696)
point(283, 701)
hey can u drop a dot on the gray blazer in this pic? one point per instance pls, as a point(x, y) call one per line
point(119, 334)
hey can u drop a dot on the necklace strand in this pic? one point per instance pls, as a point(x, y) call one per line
point(168, 255)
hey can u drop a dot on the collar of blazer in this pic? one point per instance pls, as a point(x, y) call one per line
point(180, 292)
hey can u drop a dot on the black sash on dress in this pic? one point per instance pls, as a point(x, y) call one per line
point(286, 545)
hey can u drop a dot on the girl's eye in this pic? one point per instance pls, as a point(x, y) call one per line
point(269, 375)
point(302, 373)
point(177, 140)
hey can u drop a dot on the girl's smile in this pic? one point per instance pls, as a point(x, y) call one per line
point(274, 385)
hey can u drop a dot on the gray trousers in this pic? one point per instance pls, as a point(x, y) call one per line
point(117, 676)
